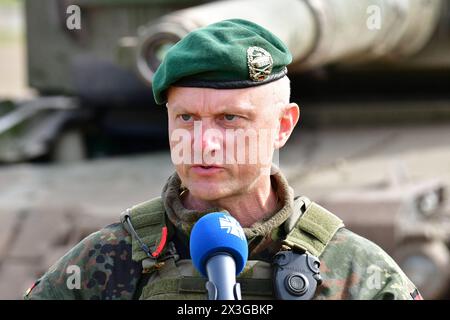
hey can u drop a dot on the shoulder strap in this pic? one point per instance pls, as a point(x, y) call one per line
point(313, 229)
point(310, 228)
point(148, 222)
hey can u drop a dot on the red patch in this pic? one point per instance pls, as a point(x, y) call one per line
point(31, 288)
point(162, 243)
point(416, 295)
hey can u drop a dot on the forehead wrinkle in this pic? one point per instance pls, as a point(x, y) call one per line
point(227, 100)
point(184, 101)
point(216, 102)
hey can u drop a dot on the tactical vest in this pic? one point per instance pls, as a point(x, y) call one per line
point(309, 228)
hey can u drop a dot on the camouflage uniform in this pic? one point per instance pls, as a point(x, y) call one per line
point(229, 54)
point(352, 267)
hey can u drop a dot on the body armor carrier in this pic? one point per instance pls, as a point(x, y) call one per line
point(292, 275)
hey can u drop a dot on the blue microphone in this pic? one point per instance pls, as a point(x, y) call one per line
point(219, 251)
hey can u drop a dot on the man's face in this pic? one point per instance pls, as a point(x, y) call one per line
point(222, 141)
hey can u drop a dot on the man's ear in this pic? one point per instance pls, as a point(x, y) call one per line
point(289, 117)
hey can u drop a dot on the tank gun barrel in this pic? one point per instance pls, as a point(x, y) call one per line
point(317, 32)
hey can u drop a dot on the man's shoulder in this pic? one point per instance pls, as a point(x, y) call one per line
point(347, 241)
point(354, 267)
point(86, 271)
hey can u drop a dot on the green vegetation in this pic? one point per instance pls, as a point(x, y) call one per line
point(9, 2)
point(10, 33)
point(7, 38)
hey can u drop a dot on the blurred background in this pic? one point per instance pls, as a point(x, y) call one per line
point(81, 138)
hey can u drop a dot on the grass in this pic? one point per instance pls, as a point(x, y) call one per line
point(8, 38)
point(9, 2)
point(8, 35)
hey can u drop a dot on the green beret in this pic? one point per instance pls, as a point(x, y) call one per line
point(225, 55)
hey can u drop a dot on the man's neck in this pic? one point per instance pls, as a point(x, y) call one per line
point(248, 208)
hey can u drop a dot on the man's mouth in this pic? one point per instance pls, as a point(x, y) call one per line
point(206, 169)
point(207, 166)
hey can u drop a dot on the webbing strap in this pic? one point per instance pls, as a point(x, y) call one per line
point(313, 230)
point(148, 221)
point(196, 285)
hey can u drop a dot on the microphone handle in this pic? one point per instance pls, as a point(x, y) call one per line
point(221, 270)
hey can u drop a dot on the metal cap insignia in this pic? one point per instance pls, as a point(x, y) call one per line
point(259, 62)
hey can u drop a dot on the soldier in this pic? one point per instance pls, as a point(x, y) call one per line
point(224, 84)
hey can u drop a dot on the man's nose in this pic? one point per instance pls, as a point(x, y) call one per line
point(210, 137)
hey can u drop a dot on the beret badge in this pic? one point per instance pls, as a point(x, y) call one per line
point(259, 62)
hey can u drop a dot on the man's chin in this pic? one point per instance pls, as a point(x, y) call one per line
point(207, 191)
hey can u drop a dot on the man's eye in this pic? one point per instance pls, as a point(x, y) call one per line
point(186, 117)
point(230, 117)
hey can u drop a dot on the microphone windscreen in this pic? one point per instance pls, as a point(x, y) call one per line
point(218, 232)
